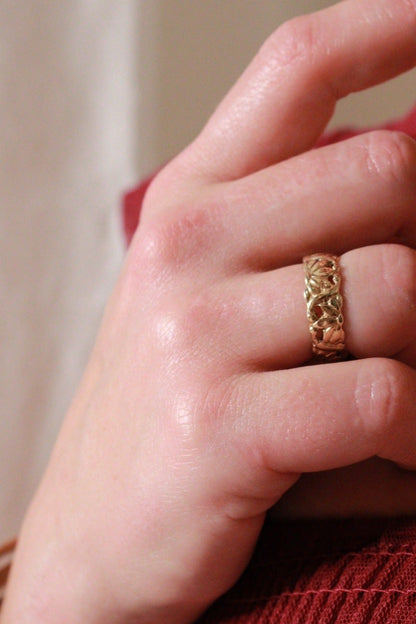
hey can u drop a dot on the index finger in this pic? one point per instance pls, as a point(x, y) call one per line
point(283, 101)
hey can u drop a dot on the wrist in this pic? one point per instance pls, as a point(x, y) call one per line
point(46, 587)
point(51, 584)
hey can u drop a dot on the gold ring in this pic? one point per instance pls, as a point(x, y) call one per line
point(324, 307)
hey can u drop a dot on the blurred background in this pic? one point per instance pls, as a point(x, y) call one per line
point(93, 96)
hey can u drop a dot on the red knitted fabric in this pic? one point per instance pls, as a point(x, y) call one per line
point(326, 572)
point(352, 571)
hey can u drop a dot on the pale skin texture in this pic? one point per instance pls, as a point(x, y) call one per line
point(195, 415)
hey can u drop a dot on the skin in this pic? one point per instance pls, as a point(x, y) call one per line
point(195, 414)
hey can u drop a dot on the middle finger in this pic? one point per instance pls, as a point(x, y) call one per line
point(355, 193)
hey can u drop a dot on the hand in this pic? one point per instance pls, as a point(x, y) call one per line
point(195, 414)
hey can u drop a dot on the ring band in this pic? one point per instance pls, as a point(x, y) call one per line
point(324, 307)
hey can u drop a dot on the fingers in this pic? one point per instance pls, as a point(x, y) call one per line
point(351, 194)
point(323, 417)
point(268, 327)
point(283, 101)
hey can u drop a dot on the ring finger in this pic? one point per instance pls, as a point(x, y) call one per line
point(379, 292)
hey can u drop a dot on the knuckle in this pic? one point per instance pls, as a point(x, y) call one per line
point(297, 40)
point(410, 10)
point(200, 398)
point(165, 190)
point(174, 241)
point(196, 320)
point(209, 320)
point(404, 11)
point(391, 155)
point(166, 335)
point(149, 256)
point(397, 270)
point(188, 330)
point(379, 391)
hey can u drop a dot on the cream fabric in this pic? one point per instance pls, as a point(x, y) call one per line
point(67, 82)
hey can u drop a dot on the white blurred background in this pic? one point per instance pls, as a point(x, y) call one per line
point(94, 95)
